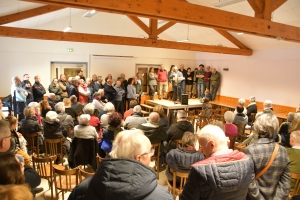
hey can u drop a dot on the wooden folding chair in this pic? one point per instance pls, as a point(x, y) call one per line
point(64, 180)
point(98, 160)
point(178, 142)
point(174, 188)
point(155, 157)
point(33, 142)
point(54, 147)
point(43, 166)
point(241, 132)
point(83, 174)
point(253, 115)
point(296, 190)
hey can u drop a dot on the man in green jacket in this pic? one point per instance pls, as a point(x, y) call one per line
point(294, 155)
point(214, 82)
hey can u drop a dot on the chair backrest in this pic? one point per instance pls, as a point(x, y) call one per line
point(177, 188)
point(191, 113)
point(177, 141)
point(253, 115)
point(65, 180)
point(43, 166)
point(156, 157)
point(241, 129)
point(232, 142)
point(98, 160)
point(296, 190)
point(53, 146)
point(83, 174)
point(32, 141)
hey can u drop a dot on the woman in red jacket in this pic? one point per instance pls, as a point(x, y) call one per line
point(84, 92)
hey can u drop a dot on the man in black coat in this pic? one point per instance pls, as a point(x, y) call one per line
point(72, 89)
point(109, 91)
point(38, 89)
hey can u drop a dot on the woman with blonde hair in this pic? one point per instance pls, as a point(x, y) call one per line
point(127, 174)
point(164, 122)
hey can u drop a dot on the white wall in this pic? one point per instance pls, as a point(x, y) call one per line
point(268, 74)
point(20, 56)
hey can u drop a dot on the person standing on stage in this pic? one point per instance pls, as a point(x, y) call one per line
point(152, 83)
point(162, 82)
point(183, 82)
point(206, 78)
point(21, 95)
point(176, 83)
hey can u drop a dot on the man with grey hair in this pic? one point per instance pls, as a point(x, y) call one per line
point(176, 77)
point(51, 100)
point(5, 136)
point(135, 119)
point(209, 178)
point(176, 130)
point(65, 119)
point(284, 130)
point(268, 108)
point(294, 154)
point(73, 88)
point(152, 130)
point(214, 82)
point(21, 95)
point(275, 182)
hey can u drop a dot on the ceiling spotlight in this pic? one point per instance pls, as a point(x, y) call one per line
point(90, 13)
point(240, 33)
point(68, 27)
point(185, 40)
point(187, 36)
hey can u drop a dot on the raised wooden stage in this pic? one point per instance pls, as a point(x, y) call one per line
point(170, 105)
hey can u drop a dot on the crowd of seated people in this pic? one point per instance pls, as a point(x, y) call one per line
point(91, 113)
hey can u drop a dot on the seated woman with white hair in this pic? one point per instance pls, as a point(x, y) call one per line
point(53, 129)
point(275, 183)
point(109, 108)
point(127, 174)
point(98, 103)
point(94, 121)
point(84, 130)
point(36, 106)
point(65, 119)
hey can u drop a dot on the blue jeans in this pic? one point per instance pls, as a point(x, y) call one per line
point(214, 89)
point(200, 89)
point(175, 88)
point(182, 87)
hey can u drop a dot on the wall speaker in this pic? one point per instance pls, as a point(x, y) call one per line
point(225, 69)
point(185, 99)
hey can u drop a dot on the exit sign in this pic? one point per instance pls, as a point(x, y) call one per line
point(70, 49)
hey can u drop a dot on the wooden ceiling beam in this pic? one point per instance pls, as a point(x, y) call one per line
point(257, 5)
point(277, 4)
point(232, 39)
point(117, 40)
point(140, 23)
point(29, 13)
point(183, 12)
point(153, 28)
point(268, 9)
point(165, 27)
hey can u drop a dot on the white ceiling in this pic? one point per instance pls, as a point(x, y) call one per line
point(288, 13)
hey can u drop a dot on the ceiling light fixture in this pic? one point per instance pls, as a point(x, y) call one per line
point(90, 13)
point(240, 33)
point(226, 3)
point(68, 27)
point(187, 36)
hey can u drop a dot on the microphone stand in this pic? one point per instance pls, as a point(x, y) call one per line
point(176, 89)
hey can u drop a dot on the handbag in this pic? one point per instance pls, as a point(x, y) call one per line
point(269, 163)
point(106, 145)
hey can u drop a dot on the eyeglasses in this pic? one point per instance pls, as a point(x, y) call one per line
point(151, 153)
point(7, 137)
